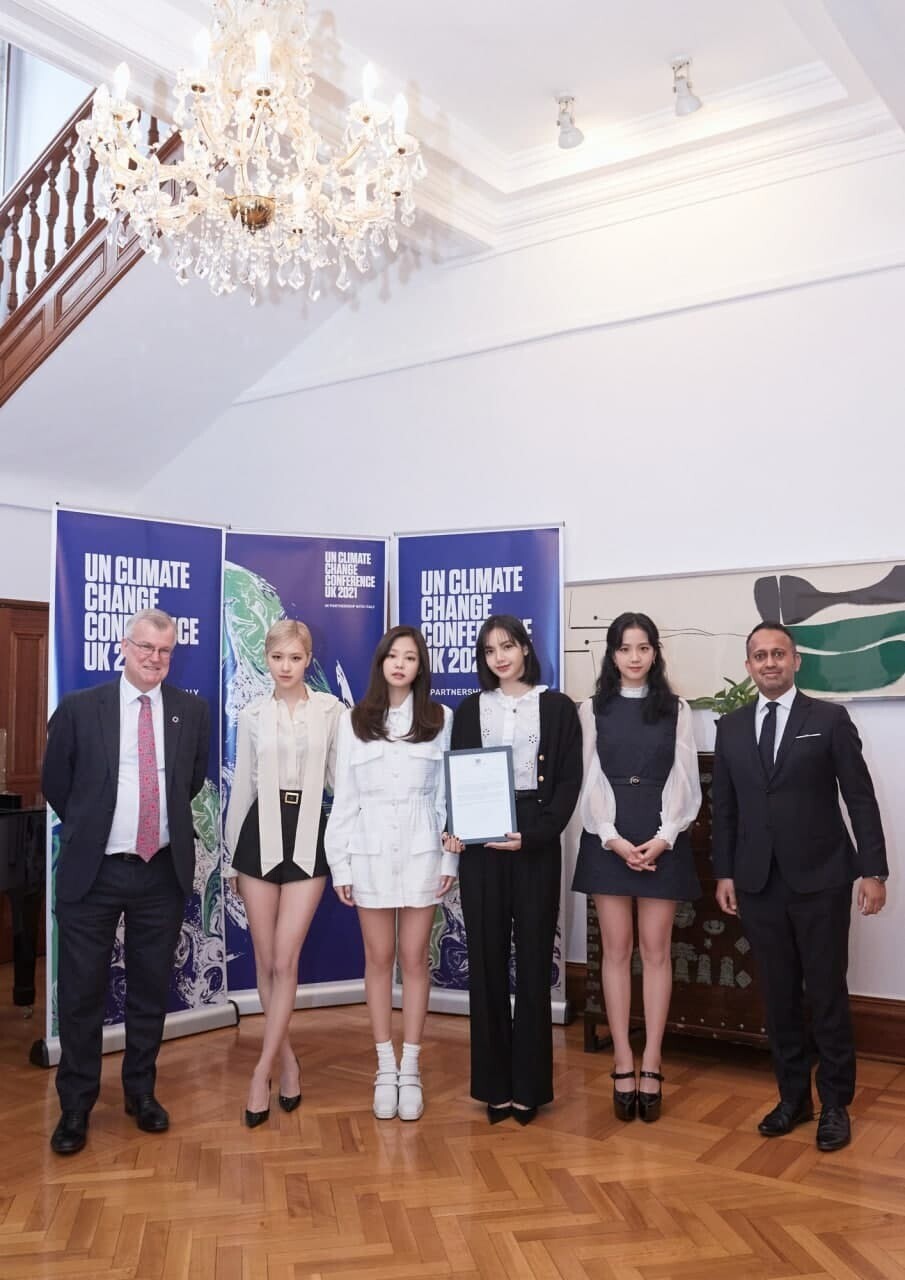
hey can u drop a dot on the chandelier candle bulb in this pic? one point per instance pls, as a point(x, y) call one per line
point(263, 49)
point(369, 81)
point(202, 45)
point(400, 117)
point(121, 78)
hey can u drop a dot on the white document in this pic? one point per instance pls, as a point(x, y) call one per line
point(480, 797)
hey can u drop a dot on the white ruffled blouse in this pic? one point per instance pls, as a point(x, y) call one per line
point(514, 722)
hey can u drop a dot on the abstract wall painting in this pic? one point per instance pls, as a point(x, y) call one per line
point(848, 621)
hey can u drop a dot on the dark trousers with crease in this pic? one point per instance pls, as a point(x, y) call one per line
point(505, 896)
point(149, 897)
point(800, 946)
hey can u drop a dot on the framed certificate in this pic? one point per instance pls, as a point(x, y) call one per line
point(480, 794)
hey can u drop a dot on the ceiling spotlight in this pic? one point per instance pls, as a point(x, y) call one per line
point(686, 101)
point(569, 133)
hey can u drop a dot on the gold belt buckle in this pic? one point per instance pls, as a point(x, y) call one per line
point(291, 797)
point(634, 780)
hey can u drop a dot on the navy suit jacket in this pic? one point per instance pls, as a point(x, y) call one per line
point(81, 775)
point(795, 815)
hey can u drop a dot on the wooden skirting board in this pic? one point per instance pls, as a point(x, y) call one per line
point(879, 1022)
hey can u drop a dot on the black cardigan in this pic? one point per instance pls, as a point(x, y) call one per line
point(559, 762)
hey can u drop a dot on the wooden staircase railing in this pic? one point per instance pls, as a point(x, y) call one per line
point(55, 260)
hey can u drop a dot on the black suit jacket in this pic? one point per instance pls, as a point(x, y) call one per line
point(795, 816)
point(559, 762)
point(81, 774)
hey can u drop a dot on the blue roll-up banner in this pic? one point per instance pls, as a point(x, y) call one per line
point(106, 568)
point(447, 584)
point(337, 587)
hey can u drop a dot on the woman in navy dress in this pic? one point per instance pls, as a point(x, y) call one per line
point(641, 792)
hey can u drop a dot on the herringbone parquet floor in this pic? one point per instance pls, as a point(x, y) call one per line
point(331, 1192)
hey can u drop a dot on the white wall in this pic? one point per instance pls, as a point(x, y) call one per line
point(758, 432)
point(24, 553)
point(40, 99)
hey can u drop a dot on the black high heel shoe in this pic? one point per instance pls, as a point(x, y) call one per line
point(290, 1103)
point(624, 1104)
point(254, 1118)
point(496, 1114)
point(650, 1104)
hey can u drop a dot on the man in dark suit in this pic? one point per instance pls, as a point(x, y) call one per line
point(123, 761)
point(785, 864)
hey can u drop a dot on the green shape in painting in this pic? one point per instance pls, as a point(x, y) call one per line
point(850, 633)
point(875, 668)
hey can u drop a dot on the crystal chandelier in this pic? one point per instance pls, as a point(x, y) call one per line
point(258, 193)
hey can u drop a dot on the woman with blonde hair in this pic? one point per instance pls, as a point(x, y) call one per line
point(285, 755)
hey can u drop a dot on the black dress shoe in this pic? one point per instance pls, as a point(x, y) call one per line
point(834, 1129)
point(70, 1134)
point(496, 1114)
point(149, 1114)
point(524, 1115)
point(784, 1117)
point(289, 1102)
point(650, 1104)
point(254, 1118)
point(624, 1103)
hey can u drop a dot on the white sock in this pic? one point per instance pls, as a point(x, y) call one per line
point(409, 1064)
point(386, 1056)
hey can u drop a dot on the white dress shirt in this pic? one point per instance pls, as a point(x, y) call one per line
point(124, 830)
point(389, 811)
point(681, 797)
point(273, 754)
point(783, 707)
point(514, 722)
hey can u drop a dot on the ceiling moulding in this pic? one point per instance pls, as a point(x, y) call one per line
point(527, 331)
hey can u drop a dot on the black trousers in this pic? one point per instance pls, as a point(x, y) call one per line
point(800, 946)
point(506, 895)
point(150, 898)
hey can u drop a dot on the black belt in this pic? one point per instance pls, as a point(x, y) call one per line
point(136, 857)
point(291, 797)
point(526, 795)
point(635, 781)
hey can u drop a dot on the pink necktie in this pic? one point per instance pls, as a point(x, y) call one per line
point(148, 840)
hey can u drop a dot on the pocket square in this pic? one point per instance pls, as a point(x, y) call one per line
point(808, 735)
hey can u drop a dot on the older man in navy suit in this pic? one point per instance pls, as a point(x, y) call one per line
point(123, 761)
point(785, 864)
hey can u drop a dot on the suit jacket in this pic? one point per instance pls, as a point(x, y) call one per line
point(81, 775)
point(795, 815)
point(558, 761)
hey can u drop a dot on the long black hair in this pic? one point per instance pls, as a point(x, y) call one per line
point(515, 630)
point(369, 715)
point(660, 700)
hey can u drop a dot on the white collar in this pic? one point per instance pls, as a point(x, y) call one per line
point(404, 709)
point(508, 698)
point(128, 693)
point(785, 700)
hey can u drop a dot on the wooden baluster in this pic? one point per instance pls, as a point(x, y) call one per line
point(90, 173)
point(4, 227)
point(72, 188)
point(15, 257)
point(153, 133)
point(34, 233)
point(53, 211)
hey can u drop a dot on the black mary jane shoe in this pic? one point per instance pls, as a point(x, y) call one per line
point(254, 1118)
point(524, 1115)
point(496, 1114)
point(294, 1100)
point(624, 1104)
point(650, 1104)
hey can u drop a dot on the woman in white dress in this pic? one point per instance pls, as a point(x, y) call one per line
point(285, 755)
point(384, 847)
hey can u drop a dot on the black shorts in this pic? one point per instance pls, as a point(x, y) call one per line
point(247, 858)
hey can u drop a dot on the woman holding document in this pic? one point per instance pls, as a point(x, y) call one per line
point(385, 851)
point(511, 885)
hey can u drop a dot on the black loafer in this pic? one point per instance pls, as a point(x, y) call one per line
point(834, 1129)
point(784, 1117)
point(70, 1134)
point(149, 1114)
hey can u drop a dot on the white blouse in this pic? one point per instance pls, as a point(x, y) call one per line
point(389, 810)
point(282, 750)
point(514, 722)
point(681, 798)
